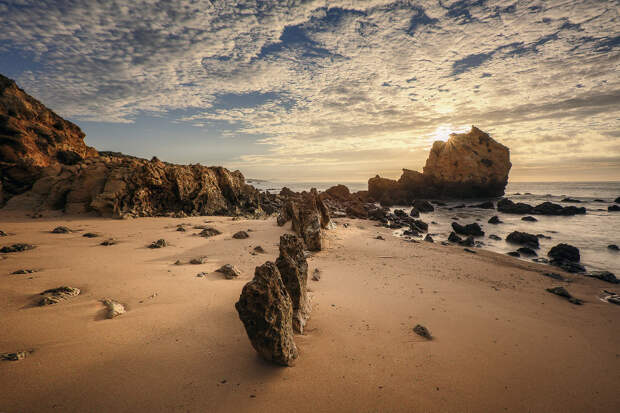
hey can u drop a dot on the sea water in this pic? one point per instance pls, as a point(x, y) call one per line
point(591, 233)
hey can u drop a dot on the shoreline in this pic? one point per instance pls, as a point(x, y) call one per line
point(182, 347)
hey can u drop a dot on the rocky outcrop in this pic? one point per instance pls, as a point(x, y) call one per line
point(523, 238)
point(33, 137)
point(117, 186)
point(566, 257)
point(309, 217)
point(469, 229)
point(546, 208)
point(293, 268)
point(266, 310)
point(467, 165)
point(341, 202)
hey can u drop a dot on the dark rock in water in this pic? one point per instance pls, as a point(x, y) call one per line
point(572, 200)
point(419, 225)
point(523, 238)
point(599, 200)
point(209, 232)
point(568, 266)
point(542, 236)
point(230, 271)
point(469, 165)
point(266, 311)
point(541, 260)
point(61, 230)
point(613, 208)
point(468, 242)
point(108, 242)
point(468, 250)
point(617, 200)
point(469, 229)
point(562, 292)
point(422, 331)
point(549, 208)
point(423, 206)
point(90, 235)
point(438, 203)
point(495, 220)
point(613, 247)
point(414, 213)
point(428, 238)
point(454, 238)
point(160, 243)
point(554, 275)
point(529, 218)
point(460, 206)
point(527, 251)
point(513, 254)
point(56, 295)
point(20, 247)
point(241, 235)
point(23, 271)
point(293, 269)
point(564, 252)
point(485, 205)
point(494, 237)
point(509, 207)
point(605, 276)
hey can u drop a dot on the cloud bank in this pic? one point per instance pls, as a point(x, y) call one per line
point(336, 88)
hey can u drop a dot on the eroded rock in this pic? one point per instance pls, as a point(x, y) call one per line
point(229, 271)
point(19, 247)
point(562, 292)
point(56, 295)
point(113, 308)
point(241, 235)
point(523, 238)
point(293, 269)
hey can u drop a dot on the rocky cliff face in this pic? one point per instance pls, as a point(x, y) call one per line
point(45, 164)
point(468, 165)
point(33, 137)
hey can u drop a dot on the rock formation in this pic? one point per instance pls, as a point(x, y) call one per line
point(266, 310)
point(45, 164)
point(293, 268)
point(467, 165)
point(309, 217)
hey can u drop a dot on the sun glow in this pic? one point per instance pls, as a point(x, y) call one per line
point(442, 133)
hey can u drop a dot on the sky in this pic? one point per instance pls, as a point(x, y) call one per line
point(328, 90)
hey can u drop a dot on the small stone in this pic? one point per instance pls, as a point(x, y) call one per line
point(258, 249)
point(316, 275)
point(160, 243)
point(3, 234)
point(198, 261)
point(380, 237)
point(201, 274)
point(529, 218)
point(16, 248)
point(554, 275)
point(422, 331)
point(209, 232)
point(494, 237)
point(527, 251)
point(23, 271)
point(181, 228)
point(241, 235)
point(428, 238)
point(61, 230)
point(108, 242)
point(114, 308)
point(56, 295)
point(514, 254)
point(178, 262)
point(613, 247)
point(495, 220)
point(562, 292)
point(90, 235)
point(18, 355)
point(468, 250)
point(604, 276)
point(229, 271)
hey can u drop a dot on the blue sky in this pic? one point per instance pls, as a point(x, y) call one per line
point(327, 90)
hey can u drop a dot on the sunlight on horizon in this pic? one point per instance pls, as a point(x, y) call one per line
point(442, 133)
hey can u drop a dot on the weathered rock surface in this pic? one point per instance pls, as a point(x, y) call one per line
point(229, 271)
point(160, 243)
point(607, 276)
point(241, 235)
point(495, 220)
point(467, 165)
point(422, 331)
point(309, 217)
point(293, 269)
point(566, 257)
point(562, 292)
point(61, 230)
point(469, 229)
point(266, 310)
point(56, 295)
point(113, 308)
point(20, 247)
point(32, 137)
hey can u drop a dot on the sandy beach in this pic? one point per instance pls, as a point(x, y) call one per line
point(501, 342)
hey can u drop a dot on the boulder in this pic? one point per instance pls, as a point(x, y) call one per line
point(423, 206)
point(527, 251)
point(428, 238)
point(549, 208)
point(229, 271)
point(617, 200)
point(266, 311)
point(613, 208)
point(613, 247)
point(209, 232)
point(293, 269)
point(495, 220)
point(309, 217)
point(467, 165)
point(56, 295)
point(113, 308)
point(564, 252)
point(61, 230)
point(604, 276)
point(241, 235)
point(529, 218)
point(485, 205)
point(523, 238)
point(469, 229)
point(507, 206)
point(160, 243)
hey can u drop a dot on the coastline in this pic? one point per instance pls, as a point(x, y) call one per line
point(501, 342)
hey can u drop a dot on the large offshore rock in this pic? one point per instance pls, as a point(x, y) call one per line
point(467, 165)
point(266, 311)
point(293, 268)
point(309, 216)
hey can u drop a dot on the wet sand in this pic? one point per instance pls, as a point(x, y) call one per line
point(501, 342)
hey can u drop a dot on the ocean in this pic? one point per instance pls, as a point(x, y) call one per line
point(591, 233)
